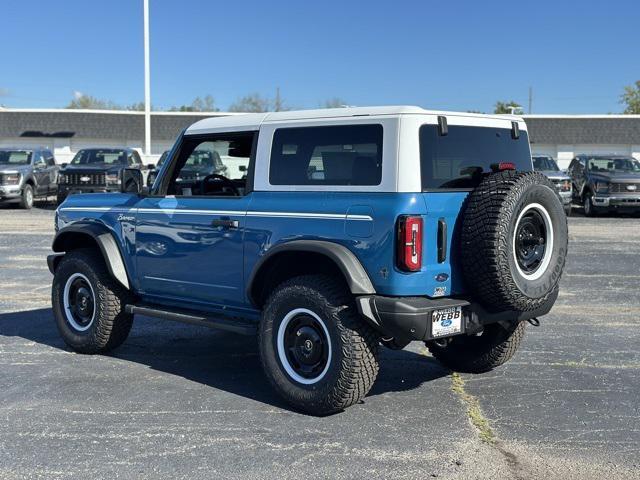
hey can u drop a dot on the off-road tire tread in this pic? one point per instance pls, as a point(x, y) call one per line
point(495, 350)
point(359, 366)
point(112, 323)
point(485, 242)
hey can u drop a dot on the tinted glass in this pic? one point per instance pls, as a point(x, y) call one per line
point(545, 163)
point(340, 155)
point(16, 157)
point(107, 156)
point(613, 165)
point(459, 159)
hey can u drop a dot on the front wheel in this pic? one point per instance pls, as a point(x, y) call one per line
point(316, 350)
point(480, 353)
point(26, 201)
point(88, 304)
point(589, 209)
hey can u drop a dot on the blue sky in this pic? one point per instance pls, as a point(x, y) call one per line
point(455, 55)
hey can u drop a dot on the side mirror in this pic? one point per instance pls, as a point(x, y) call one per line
point(63, 164)
point(131, 181)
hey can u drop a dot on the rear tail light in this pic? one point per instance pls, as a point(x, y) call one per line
point(410, 243)
point(506, 166)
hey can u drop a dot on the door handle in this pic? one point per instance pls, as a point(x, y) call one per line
point(224, 223)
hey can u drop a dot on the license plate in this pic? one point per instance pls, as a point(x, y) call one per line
point(446, 322)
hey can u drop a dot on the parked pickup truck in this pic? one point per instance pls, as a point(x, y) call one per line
point(25, 174)
point(96, 170)
point(604, 183)
point(549, 168)
point(354, 227)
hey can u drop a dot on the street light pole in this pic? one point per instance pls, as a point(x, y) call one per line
point(147, 84)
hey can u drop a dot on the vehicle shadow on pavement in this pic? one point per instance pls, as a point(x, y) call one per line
point(221, 360)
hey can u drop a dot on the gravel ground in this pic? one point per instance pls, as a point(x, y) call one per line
point(185, 402)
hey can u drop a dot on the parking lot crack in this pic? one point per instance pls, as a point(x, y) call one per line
point(483, 427)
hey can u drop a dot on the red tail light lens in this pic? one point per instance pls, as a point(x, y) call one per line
point(410, 243)
point(506, 166)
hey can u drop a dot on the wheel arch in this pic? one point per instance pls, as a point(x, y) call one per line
point(302, 257)
point(89, 235)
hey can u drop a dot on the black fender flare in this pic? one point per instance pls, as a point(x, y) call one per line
point(105, 241)
point(354, 273)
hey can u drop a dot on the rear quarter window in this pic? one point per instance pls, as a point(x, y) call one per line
point(335, 155)
point(458, 159)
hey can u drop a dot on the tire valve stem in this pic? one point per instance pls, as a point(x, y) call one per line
point(534, 321)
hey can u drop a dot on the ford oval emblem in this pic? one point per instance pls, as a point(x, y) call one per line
point(445, 323)
point(442, 277)
point(632, 188)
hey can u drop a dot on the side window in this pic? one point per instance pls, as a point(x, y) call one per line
point(38, 160)
point(134, 158)
point(50, 160)
point(216, 166)
point(337, 155)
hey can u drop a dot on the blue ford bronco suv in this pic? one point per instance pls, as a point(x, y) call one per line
point(349, 229)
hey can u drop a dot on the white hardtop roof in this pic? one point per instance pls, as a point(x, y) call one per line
point(252, 121)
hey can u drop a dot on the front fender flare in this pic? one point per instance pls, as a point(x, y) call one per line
point(105, 241)
point(354, 273)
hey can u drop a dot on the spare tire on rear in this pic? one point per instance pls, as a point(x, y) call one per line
point(514, 241)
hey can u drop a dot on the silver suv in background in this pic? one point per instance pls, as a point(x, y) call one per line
point(25, 174)
point(546, 165)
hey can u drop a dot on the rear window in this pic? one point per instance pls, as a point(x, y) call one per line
point(340, 155)
point(458, 159)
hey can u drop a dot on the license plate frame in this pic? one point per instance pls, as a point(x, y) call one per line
point(446, 322)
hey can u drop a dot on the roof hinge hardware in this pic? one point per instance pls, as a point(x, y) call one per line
point(443, 129)
point(515, 130)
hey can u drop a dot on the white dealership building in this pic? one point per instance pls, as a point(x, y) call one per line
point(66, 131)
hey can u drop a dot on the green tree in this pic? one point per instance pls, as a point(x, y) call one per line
point(205, 104)
point(631, 98)
point(82, 101)
point(506, 107)
point(250, 103)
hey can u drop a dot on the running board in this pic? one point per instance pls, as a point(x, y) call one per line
point(194, 318)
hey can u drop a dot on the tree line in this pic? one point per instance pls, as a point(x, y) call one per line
point(255, 102)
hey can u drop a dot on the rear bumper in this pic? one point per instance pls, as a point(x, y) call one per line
point(410, 318)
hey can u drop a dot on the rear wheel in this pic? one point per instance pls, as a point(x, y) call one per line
point(480, 353)
point(27, 197)
point(316, 350)
point(88, 304)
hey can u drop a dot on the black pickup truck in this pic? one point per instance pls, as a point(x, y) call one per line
point(95, 170)
point(606, 183)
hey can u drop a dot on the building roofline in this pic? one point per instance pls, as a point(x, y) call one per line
point(117, 112)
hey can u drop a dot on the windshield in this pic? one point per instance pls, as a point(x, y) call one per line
point(15, 157)
point(204, 159)
point(545, 163)
point(107, 156)
point(460, 158)
point(613, 165)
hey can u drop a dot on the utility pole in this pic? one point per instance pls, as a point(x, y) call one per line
point(530, 98)
point(277, 103)
point(147, 84)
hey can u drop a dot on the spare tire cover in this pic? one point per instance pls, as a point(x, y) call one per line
point(513, 241)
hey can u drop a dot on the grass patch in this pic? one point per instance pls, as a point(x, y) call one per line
point(474, 412)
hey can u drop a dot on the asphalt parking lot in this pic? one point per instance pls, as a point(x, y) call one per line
point(178, 401)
